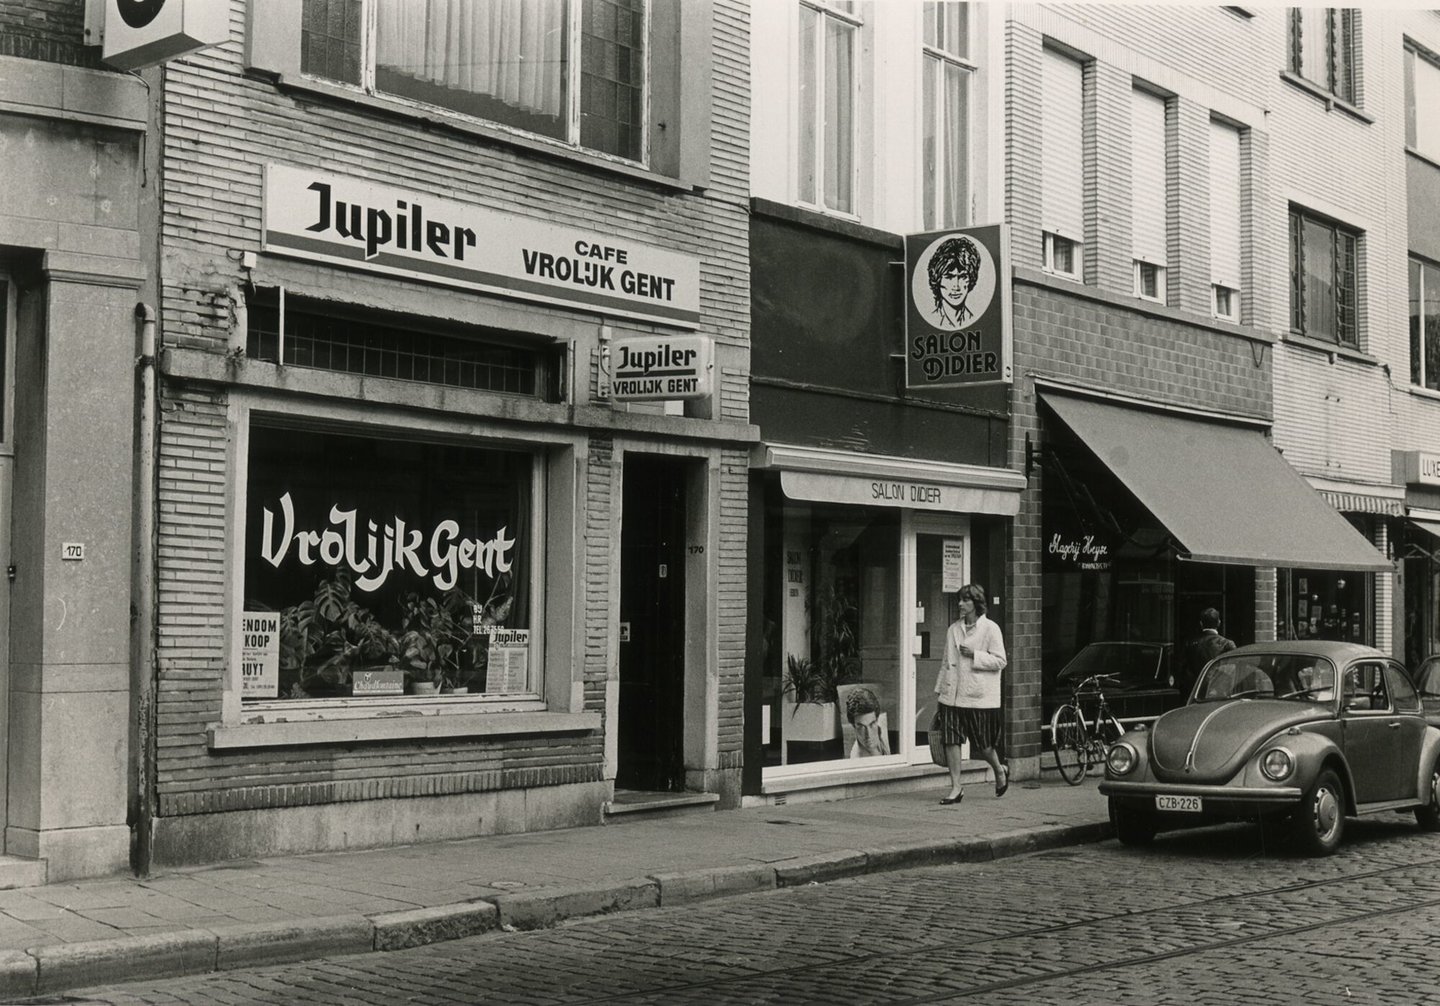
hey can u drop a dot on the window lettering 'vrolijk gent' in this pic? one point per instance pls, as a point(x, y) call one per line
point(380, 550)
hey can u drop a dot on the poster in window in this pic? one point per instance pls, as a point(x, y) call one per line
point(260, 654)
point(952, 561)
point(508, 668)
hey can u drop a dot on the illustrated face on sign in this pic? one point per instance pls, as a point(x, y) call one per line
point(953, 282)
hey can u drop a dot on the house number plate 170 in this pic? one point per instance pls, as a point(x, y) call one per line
point(72, 550)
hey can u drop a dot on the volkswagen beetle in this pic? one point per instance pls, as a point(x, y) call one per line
point(1308, 731)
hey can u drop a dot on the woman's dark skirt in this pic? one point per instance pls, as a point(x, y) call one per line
point(981, 727)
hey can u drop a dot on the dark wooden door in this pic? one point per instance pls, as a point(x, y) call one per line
point(652, 615)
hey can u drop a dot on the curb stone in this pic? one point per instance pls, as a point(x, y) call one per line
point(548, 905)
point(127, 958)
point(57, 967)
point(262, 943)
point(700, 885)
point(417, 927)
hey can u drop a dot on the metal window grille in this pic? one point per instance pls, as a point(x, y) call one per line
point(377, 349)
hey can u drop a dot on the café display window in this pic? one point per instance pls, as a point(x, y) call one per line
point(376, 568)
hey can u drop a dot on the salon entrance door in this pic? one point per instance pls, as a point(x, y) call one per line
point(940, 554)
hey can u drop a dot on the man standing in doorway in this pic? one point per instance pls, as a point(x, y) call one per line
point(1204, 648)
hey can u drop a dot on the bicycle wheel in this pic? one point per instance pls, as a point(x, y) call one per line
point(1070, 741)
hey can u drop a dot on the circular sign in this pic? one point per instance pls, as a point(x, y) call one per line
point(953, 282)
point(138, 13)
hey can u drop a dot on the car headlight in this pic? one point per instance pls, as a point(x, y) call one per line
point(1277, 764)
point(1122, 758)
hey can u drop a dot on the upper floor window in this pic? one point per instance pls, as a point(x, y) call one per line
point(946, 148)
point(827, 104)
point(1424, 324)
point(1148, 196)
point(1062, 203)
point(1422, 102)
point(1225, 214)
point(572, 71)
point(1322, 41)
point(1323, 279)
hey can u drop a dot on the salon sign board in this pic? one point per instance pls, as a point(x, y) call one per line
point(957, 308)
point(359, 224)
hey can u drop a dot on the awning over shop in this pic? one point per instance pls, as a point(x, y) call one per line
point(1426, 520)
point(828, 476)
point(1223, 492)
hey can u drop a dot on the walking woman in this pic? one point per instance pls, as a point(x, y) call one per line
point(968, 691)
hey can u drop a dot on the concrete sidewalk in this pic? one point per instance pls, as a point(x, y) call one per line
point(270, 911)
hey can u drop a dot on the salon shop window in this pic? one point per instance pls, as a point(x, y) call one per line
point(378, 568)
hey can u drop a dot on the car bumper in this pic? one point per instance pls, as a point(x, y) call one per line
point(1223, 800)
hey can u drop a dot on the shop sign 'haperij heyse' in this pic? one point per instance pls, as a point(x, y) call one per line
point(957, 315)
point(332, 218)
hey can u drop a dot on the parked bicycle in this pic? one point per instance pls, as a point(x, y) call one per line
point(1081, 743)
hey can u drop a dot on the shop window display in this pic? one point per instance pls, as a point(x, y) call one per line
point(1321, 604)
point(376, 567)
point(834, 636)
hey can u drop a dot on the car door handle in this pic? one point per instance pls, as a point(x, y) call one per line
point(1394, 726)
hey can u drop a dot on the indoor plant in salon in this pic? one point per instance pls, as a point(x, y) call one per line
point(810, 711)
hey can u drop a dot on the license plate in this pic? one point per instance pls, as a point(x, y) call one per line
point(1190, 804)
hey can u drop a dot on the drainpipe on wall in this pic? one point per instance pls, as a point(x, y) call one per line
point(141, 810)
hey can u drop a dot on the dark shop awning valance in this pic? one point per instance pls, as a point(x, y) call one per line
point(1223, 492)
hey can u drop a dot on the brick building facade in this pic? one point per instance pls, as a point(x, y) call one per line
point(278, 359)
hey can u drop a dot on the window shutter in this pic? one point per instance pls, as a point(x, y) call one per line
point(1062, 207)
point(1426, 107)
point(272, 36)
point(1147, 168)
point(681, 68)
point(1224, 205)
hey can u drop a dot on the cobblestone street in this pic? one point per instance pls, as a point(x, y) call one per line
point(1205, 917)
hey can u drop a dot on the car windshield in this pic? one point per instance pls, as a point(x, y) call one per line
point(1427, 679)
point(1294, 676)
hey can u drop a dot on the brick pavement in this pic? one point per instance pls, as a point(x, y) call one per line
point(288, 908)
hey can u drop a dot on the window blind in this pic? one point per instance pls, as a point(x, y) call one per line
point(1062, 208)
point(1147, 175)
point(1426, 107)
point(1224, 205)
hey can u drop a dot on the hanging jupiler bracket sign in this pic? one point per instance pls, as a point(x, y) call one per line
point(957, 313)
point(658, 368)
point(378, 228)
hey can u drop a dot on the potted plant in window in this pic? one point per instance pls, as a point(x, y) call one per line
point(433, 644)
point(810, 707)
point(326, 638)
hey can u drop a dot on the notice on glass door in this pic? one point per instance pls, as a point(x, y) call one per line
point(952, 562)
point(508, 666)
point(260, 654)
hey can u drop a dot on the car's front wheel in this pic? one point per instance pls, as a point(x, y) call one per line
point(1428, 816)
point(1320, 821)
point(1132, 827)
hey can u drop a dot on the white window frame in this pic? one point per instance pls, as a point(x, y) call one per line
point(1149, 164)
point(1301, 20)
point(1225, 274)
point(321, 418)
point(1141, 265)
point(1233, 315)
point(941, 216)
point(832, 10)
point(574, 12)
point(1424, 264)
point(1422, 135)
point(1060, 220)
point(1051, 240)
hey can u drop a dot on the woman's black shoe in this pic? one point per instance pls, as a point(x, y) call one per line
point(1001, 787)
point(948, 800)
